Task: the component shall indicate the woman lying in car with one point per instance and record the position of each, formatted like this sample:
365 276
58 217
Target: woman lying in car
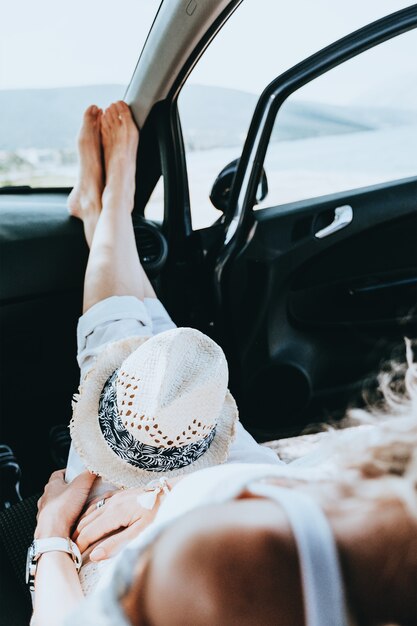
207 526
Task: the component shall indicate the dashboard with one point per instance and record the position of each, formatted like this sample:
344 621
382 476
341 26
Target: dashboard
43 249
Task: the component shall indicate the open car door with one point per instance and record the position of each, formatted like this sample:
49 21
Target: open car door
312 295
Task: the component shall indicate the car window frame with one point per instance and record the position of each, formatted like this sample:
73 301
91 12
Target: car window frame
239 218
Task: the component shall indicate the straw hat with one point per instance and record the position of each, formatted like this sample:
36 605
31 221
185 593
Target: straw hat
152 406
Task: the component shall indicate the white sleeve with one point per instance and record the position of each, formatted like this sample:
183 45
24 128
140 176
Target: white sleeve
245 449
161 320
110 320
118 317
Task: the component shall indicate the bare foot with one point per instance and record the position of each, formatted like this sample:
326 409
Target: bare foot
84 200
120 137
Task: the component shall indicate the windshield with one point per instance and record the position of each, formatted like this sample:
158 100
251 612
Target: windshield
55 60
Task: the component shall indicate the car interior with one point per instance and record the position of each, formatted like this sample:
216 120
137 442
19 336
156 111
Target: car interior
307 299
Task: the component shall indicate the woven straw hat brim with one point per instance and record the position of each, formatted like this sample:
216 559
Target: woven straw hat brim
91 445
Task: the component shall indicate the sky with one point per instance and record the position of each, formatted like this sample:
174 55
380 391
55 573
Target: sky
288 32
49 43
45 43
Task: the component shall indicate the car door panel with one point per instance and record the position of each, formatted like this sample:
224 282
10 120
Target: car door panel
314 318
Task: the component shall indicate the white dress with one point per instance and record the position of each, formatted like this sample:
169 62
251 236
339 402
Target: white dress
119 317
322 581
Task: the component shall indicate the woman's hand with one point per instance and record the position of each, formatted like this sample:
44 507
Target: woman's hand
61 504
121 515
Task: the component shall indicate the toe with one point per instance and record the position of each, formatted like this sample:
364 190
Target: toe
91 111
126 109
112 112
123 111
98 116
105 121
107 116
120 106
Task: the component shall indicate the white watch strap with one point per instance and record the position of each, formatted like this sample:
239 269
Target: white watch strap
58 544
50 544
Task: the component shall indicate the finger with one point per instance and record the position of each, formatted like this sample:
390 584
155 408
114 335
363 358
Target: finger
85 521
93 504
79 489
83 481
91 513
113 544
57 475
98 529
39 504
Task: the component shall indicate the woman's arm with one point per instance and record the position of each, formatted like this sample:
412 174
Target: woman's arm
57 587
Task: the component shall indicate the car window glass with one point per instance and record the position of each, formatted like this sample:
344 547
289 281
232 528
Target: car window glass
261 40
55 60
353 127
154 209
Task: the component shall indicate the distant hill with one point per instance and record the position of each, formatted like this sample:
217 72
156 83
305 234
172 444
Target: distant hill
215 116
48 118
299 120
401 94
211 116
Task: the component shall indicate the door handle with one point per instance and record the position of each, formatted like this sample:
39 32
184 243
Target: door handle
343 216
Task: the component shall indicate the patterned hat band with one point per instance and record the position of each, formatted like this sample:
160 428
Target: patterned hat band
138 454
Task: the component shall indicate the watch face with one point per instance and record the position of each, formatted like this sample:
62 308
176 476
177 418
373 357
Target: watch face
31 551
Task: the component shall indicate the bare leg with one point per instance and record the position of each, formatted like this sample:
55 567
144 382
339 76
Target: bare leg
114 267
84 200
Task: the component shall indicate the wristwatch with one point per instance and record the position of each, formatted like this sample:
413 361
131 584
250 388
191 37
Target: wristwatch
51 544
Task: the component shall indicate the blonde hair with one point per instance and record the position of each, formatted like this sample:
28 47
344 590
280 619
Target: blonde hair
397 387
385 448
